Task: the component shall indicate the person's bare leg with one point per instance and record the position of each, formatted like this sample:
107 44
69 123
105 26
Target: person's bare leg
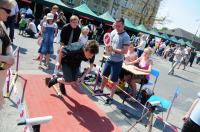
103 83
47 60
40 59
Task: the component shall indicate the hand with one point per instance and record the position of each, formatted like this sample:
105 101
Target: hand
80 80
6 66
186 117
136 68
109 49
58 66
126 62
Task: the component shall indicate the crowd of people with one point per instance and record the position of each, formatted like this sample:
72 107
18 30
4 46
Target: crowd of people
79 43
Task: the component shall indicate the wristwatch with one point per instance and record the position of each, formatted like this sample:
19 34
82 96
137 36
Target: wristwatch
2 64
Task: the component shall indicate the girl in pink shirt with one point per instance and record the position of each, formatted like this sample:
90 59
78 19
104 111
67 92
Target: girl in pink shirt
144 65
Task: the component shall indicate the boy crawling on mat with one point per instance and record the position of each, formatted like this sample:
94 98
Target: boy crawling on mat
70 58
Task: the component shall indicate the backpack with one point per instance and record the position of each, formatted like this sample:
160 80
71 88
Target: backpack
71 47
146 93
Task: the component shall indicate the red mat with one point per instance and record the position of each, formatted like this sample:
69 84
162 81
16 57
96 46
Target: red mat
75 112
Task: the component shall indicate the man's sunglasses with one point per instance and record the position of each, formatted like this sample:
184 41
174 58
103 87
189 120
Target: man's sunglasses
8 11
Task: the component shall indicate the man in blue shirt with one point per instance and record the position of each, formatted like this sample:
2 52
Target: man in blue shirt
120 41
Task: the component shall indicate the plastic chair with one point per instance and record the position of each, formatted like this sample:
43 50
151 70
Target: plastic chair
155 73
164 103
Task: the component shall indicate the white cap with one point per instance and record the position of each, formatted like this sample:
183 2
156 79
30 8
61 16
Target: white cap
50 16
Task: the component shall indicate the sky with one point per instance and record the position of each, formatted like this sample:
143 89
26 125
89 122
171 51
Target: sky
184 14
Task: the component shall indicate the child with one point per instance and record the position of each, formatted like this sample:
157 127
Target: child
84 35
125 76
145 65
22 24
49 31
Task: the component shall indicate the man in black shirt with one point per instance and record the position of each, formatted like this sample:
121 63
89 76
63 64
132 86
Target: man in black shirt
70 58
192 57
70 33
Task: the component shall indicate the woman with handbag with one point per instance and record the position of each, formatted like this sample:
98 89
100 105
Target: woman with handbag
6 57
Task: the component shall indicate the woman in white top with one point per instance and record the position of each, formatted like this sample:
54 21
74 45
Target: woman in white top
84 35
131 55
142 45
6 57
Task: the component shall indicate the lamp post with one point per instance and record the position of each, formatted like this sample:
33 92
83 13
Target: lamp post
196 31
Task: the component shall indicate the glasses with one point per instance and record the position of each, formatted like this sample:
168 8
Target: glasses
8 11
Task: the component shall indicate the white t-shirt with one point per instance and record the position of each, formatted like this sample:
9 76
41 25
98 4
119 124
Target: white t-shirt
195 115
179 53
54 25
83 39
32 26
130 56
143 43
29 11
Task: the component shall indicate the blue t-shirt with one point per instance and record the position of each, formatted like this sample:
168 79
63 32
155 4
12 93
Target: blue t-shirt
118 40
195 115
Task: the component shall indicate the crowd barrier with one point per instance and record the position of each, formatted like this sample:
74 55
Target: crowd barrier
30 124
165 122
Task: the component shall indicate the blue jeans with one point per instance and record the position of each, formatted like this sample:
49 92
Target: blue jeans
113 69
70 74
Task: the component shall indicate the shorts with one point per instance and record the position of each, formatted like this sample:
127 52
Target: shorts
70 74
113 69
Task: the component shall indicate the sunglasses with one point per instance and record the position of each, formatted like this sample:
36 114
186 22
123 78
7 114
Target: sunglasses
8 11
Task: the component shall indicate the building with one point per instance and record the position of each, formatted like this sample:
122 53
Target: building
185 35
137 11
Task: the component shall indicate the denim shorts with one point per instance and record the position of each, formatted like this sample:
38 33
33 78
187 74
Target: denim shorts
70 73
113 69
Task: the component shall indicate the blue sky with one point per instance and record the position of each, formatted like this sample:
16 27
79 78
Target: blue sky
183 14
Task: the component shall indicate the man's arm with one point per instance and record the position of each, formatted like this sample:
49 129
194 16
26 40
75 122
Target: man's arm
60 55
87 71
124 50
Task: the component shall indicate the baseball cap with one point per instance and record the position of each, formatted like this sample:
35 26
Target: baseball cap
50 16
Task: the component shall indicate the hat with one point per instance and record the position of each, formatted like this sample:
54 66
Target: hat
50 16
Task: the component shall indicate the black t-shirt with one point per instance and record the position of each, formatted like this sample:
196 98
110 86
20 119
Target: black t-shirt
66 32
74 58
193 54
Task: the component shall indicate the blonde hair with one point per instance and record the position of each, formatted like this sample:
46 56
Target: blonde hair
149 50
8 3
74 18
85 28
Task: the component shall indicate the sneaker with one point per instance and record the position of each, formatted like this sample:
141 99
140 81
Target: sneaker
62 89
52 82
98 91
109 101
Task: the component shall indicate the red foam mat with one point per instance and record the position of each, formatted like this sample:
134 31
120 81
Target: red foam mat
75 112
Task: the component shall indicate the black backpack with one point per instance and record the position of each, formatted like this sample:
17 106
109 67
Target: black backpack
146 93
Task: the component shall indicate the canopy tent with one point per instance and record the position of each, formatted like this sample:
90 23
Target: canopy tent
129 25
55 2
181 41
107 17
174 39
154 32
188 43
165 36
142 28
85 10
